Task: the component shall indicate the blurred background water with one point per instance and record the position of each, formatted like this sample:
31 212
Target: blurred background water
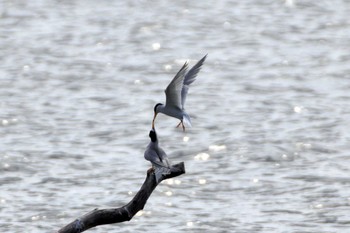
269 147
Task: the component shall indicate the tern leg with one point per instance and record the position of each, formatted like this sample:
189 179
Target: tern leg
182 124
179 124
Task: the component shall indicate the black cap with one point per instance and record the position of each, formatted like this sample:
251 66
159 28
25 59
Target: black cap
155 107
153 135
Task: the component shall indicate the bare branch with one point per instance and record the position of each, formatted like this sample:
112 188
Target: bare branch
124 213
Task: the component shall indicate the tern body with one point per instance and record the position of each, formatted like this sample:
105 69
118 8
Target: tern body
176 94
157 156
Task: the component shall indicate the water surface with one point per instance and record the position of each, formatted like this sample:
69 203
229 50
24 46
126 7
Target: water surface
269 147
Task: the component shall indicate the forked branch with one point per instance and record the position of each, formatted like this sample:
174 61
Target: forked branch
124 213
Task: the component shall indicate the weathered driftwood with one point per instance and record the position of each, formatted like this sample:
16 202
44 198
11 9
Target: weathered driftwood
124 213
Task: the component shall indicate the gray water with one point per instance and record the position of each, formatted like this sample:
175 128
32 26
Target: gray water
269 147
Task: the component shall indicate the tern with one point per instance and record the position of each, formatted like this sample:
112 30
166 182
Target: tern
176 93
157 156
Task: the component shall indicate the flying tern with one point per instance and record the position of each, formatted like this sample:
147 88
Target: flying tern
157 156
176 93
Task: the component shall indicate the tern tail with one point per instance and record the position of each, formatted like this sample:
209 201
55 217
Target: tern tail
187 120
160 171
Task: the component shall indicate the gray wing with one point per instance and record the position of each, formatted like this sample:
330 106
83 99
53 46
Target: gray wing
173 91
164 157
190 77
159 162
154 158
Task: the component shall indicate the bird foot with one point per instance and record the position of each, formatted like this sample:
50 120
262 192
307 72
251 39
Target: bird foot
181 124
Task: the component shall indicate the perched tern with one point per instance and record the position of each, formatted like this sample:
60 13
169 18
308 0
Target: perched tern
176 93
157 156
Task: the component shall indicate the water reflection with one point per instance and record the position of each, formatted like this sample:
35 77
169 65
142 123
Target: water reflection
202 156
186 139
202 181
172 181
156 46
168 193
217 148
189 224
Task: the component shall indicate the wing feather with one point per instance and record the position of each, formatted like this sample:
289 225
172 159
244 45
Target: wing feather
190 77
173 91
154 158
164 157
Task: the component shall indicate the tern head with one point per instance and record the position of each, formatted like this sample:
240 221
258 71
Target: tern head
153 135
156 109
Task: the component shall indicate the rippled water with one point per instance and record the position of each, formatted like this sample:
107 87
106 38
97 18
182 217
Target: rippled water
269 147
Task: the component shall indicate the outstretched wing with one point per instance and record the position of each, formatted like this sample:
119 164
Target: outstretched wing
173 91
190 77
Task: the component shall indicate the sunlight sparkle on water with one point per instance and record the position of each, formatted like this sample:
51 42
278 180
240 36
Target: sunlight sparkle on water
202 156
6 122
137 81
169 204
156 46
255 180
186 138
169 193
189 224
217 148
167 67
317 206
26 68
302 145
298 109
34 218
172 181
140 213
227 25
289 3
202 181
